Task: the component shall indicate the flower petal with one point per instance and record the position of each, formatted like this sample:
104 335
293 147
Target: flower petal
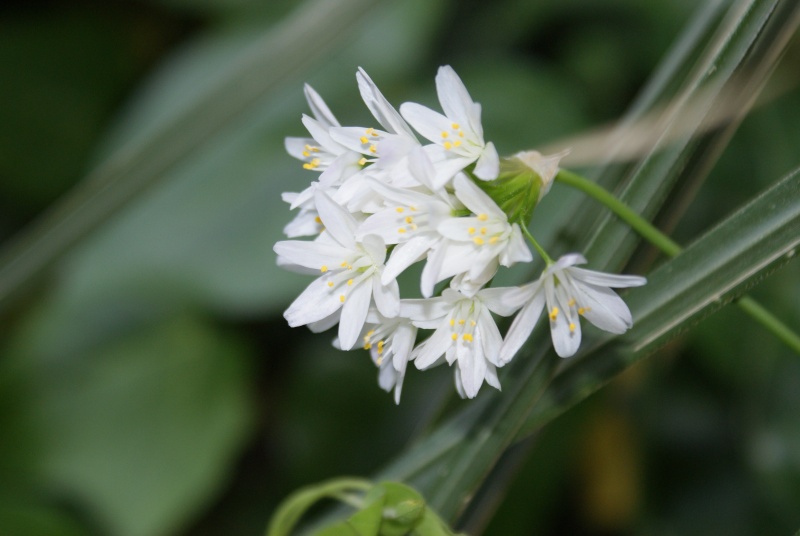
318 107
315 303
428 123
523 324
384 112
354 314
387 297
337 221
488 165
608 280
313 255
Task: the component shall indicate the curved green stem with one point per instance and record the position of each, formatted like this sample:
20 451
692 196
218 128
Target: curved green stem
536 244
671 248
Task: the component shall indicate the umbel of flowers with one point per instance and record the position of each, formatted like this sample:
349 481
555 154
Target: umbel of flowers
420 186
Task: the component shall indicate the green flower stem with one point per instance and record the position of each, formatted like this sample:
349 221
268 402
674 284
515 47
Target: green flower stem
536 244
671 248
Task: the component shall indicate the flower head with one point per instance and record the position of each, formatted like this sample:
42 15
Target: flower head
570 293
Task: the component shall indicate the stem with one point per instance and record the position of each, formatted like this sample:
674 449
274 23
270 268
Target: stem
536 244
671 248
623 211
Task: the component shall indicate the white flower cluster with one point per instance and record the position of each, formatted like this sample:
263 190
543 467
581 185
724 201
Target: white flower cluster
381 191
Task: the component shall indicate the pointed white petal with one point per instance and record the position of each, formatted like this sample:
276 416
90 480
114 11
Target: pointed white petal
476 199
490 338
428 123
321 137
522 326
311 254
608 280
354 314
326 323
605 309
433 348
406 254
424 309
504 301
387 297
295 146
337 221
384 112
312 305
488 165
516 249
318 107
453 96
375 248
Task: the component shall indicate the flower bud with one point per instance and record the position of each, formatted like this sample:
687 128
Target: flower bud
523 180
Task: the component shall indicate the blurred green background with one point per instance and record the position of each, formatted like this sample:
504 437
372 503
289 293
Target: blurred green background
148 383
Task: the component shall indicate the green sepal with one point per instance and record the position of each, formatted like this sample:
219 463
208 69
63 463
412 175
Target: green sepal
516 190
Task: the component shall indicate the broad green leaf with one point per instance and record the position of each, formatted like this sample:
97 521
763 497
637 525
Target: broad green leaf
138 431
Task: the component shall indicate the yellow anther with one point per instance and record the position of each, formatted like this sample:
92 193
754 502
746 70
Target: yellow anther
447 145
471 230
399 209
409 219
413 208
472 323
344 264
368 335
461 322
571 302
554 314
367 346
571 327
483 230
461 133
581 310
467 337
364 140
380 346
454 336
330 284
341 298
308 166
452 322
362 161
493 240
306 154
373 149
478 241
349 282
445 134
318 219
323 268
413 226
379 361
457 143
372 132
455 126
401 230
483 217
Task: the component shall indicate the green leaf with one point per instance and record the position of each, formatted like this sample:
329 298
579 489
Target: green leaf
138 431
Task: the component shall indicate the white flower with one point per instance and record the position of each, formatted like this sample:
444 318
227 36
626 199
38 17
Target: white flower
458 133
350 275
570 293
465 333
389 342
478 243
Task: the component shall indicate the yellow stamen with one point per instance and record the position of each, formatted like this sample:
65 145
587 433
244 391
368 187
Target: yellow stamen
483 230
330 284
493 240
571 302
554 314
372 132
344 264
454 336
323 268
341 298
306 154
364 140
445 134
478 241
483 217
349 282
471 230
413 208
455 126
401 230
447 145
379 361
409 219
318 219
456 143
452 322
472 323
467 337
373 149
362 161
367 346
571 327
461 322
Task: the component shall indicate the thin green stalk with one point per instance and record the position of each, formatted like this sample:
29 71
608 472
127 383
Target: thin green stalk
536 244
671 248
